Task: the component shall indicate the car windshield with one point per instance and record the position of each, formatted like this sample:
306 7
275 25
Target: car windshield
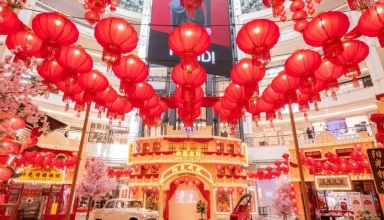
132 204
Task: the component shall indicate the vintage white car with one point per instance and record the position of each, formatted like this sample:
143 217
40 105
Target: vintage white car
124 209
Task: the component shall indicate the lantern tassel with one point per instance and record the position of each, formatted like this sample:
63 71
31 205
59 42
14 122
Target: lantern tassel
334 95
66 107
280 115
119 125
271 124
305 116
78 114
355 82
46 96
257 124
333 47
261 53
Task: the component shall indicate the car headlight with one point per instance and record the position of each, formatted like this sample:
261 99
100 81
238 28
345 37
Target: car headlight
144 215
157 214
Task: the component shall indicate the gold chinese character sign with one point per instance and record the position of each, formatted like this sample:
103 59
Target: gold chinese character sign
30 174
376 161
338 182
186 169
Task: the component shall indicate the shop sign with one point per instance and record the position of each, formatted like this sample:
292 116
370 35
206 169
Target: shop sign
31 174
376 161
186 169
188 155
339 182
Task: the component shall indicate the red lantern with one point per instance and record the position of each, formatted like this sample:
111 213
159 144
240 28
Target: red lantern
74 60
230 190
5 173
51 71
8 147
246 74
272 97
55 30
190 6
92 83
15 123
69 90
9 23
186 180
299 15
251 108
197 182
134 190
355 51
189 41
155 190
188 79
117 37
140 93
313 92
237 94
329 73
92 17
276 5
240 190
146 167
156 166
218 167
370 23
130 70
220 189
300 26
109 95
176 182
30 45
257 37
144 189
286 85
302 64
263 106
285 156
230 167
326 30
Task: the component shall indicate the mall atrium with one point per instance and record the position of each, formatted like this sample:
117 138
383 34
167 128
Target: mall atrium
191 109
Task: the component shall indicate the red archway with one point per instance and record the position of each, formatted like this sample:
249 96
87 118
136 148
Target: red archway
172 189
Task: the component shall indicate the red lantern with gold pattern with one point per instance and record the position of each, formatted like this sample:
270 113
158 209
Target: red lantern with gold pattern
51 72
117 37
55 30
130 70
189 41
246 74
326 30
92 83
30 45
355 51
302 64
74 60
257 37
286 85
329 73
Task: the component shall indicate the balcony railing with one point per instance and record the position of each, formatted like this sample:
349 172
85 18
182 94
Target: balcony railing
248 6
131 5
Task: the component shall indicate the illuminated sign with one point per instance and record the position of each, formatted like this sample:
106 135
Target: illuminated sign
30 174
339 182
376 156
186 169
188 155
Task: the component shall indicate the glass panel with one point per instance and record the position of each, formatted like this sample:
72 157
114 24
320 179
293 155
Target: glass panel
110 205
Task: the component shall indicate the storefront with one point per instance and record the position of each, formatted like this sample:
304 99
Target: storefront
338 177
172 173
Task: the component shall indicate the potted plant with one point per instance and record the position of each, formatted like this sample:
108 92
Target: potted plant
201 208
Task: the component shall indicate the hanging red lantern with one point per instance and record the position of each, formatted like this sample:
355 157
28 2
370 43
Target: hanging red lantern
370 23
9 23
286 85
14 123
190 6
272 97
300 25
51 72
276 6
299 15
92 17
240 190
313 92
115 107
302 64
296 5
55 30
329 73
69 91
144 189
92 83
188 79
134 190
148 105
220 189
130 70
237 94
155 190
176 182
246 74
74 60
109 95
117 37
197 182
30 45
5 173
141 92
189 41
8 147
355 51
257 37
263 106
326 30
359 5
251 108
302 101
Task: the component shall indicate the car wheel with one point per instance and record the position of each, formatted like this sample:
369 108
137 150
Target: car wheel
133 219
98 219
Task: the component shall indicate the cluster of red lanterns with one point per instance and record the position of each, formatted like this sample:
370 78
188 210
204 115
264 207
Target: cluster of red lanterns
136 168
96 8
50 159
229 148
355 162
144 189
148 147
230 168
189 41
271 172
230 190
186 180
292 195
277 8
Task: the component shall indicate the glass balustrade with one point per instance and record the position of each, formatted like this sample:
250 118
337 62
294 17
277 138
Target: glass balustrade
131 5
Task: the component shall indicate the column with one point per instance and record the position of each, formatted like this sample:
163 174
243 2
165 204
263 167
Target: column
209 92
247 128
134 126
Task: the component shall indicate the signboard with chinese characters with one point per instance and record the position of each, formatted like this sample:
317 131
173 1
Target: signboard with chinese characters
376 160
339 182
34 174
186 169
188 155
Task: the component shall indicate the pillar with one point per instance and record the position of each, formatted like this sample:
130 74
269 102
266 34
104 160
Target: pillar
247 128
134 126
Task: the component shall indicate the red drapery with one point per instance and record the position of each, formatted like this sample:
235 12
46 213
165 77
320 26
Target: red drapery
199 140
172 190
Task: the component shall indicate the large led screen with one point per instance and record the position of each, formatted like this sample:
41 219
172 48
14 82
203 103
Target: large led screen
212 14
